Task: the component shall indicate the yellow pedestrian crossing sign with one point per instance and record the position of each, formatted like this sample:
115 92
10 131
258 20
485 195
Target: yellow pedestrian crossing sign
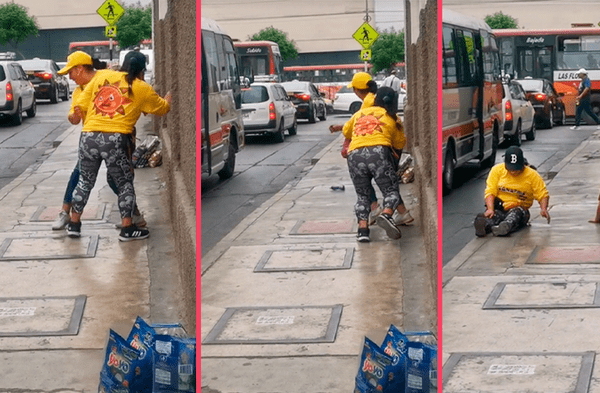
110 31
365 35
110 11
365 54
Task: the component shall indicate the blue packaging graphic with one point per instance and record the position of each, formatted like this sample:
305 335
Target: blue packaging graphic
122 369
395 345
372 375
141 338
417 369
174 364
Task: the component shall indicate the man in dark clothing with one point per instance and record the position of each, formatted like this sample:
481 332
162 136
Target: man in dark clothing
583 100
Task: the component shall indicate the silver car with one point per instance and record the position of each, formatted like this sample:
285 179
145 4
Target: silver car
267 109
518 113
17 93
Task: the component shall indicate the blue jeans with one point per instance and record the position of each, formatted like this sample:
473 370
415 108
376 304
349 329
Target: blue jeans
587 107
68 198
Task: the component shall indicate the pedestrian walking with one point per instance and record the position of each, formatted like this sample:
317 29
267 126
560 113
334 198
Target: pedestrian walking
114 101
376 137
510 190
393 81
583 100
82 68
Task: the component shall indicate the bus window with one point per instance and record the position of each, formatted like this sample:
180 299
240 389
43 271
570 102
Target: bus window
233 74
449 73
212 62
466 58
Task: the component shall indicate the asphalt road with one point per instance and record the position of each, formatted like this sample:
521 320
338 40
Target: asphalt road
262 169
26 145
462 205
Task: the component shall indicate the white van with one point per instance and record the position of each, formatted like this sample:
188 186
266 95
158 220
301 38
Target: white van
149 53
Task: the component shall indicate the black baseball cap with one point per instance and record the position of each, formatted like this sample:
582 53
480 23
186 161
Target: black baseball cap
513 159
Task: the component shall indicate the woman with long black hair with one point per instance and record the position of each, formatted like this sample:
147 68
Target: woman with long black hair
114 101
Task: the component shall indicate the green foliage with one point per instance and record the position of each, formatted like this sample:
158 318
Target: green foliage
501 21
15 24
287 47
134 26
387 50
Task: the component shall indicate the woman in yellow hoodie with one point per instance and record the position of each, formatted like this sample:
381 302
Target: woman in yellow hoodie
113 100
376 138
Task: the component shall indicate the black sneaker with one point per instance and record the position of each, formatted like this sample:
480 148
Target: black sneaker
132 232
480 223
386 222
74 229
363 235
501 229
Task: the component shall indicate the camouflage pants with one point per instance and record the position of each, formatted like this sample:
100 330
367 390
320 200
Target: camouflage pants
516 218
114 150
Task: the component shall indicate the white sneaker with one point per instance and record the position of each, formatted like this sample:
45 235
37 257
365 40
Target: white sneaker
62 221
373 215
574 128
598 127
403 219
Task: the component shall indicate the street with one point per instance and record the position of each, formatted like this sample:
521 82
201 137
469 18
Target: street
22 146
462 205
262 169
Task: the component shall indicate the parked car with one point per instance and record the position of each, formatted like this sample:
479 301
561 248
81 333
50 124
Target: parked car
548 105
16 92
46 80
307 99
518 114
267 109
347 101
72 84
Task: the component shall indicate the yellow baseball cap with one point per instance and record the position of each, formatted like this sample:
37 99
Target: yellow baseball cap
75 59
359 80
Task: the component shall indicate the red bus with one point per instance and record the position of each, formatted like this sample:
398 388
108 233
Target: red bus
556 55
260 61
101 49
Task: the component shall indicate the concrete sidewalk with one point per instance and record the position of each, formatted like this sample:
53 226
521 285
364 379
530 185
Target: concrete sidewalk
288 296
520 313
60 296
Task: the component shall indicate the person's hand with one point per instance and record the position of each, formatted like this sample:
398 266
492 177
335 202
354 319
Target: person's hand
489 213
75 117
544 213
168 97
335 128
594 221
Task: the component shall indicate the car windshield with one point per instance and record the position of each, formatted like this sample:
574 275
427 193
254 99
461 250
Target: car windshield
35 65
532 85
254 95
346 89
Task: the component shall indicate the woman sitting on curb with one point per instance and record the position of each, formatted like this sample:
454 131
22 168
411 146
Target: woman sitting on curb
510 191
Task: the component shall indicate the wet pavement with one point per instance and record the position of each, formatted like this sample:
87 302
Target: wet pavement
60 296
289 295
520 313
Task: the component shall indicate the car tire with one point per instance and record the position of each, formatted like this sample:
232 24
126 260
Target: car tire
355 107
229 167
54 95
448 173
17 118
66 95
531 134
279 136
516 139
563 118
32 111
491 160
294 128
311 115
324 117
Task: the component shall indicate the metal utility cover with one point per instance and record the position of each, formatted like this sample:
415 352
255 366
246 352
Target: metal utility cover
46 248
305 259
565 255
91 212
329 227
276 325
545 295
518 372
41 316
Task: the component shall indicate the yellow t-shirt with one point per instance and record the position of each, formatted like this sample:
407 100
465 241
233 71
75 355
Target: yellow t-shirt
515 190
111 108
372 126
368 101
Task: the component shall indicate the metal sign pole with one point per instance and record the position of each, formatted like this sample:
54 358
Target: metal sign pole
110 47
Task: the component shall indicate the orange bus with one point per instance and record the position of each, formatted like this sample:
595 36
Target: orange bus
556 55
260 61
471 95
